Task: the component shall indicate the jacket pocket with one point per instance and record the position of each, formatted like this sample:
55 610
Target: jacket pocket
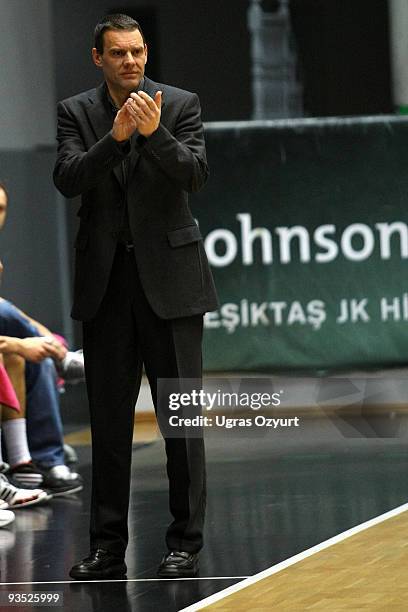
81 241
184 235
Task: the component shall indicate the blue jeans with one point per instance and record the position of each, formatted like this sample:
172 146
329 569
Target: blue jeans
44 426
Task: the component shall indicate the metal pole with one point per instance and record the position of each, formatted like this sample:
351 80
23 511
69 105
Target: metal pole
399 53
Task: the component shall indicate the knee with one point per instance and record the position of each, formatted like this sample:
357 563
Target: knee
47 369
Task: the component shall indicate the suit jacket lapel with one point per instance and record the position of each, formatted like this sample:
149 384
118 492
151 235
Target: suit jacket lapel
151 88
101 122
134 157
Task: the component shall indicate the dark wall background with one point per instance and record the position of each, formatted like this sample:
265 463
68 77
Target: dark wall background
30 241
201 46
343 46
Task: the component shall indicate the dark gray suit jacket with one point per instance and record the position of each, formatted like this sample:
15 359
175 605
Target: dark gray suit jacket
163 168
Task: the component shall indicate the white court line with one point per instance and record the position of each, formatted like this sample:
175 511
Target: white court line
2 584
199 605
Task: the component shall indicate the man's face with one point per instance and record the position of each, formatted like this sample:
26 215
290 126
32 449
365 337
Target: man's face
123 59
3 207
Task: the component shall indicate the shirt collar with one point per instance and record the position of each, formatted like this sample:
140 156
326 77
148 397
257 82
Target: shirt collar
112 106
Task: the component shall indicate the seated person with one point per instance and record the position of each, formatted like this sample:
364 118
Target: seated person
13 496
22 336
37 386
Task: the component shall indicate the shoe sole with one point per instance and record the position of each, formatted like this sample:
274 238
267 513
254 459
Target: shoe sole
176 573
32 502
67 492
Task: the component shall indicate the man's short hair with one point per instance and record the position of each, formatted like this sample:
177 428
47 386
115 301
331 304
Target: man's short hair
4 188
117 21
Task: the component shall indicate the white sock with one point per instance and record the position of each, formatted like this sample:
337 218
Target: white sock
15 437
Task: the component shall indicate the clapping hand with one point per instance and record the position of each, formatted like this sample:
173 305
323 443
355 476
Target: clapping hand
139 112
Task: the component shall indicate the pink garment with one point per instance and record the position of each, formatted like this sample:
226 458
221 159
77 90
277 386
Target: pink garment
61 339
7 394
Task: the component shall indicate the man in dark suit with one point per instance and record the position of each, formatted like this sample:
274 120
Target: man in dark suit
134 149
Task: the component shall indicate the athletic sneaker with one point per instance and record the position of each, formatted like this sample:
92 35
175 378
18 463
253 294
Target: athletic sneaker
26 475
71 368
59 480
4 467
6 517
19 498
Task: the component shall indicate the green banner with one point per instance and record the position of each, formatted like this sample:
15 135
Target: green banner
306 229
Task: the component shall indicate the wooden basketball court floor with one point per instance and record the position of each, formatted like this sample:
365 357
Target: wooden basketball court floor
365 568
312 518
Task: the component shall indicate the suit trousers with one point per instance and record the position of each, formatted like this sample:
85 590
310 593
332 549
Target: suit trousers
124 335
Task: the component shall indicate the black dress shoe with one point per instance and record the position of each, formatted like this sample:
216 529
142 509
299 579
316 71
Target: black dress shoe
100 564
178 564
